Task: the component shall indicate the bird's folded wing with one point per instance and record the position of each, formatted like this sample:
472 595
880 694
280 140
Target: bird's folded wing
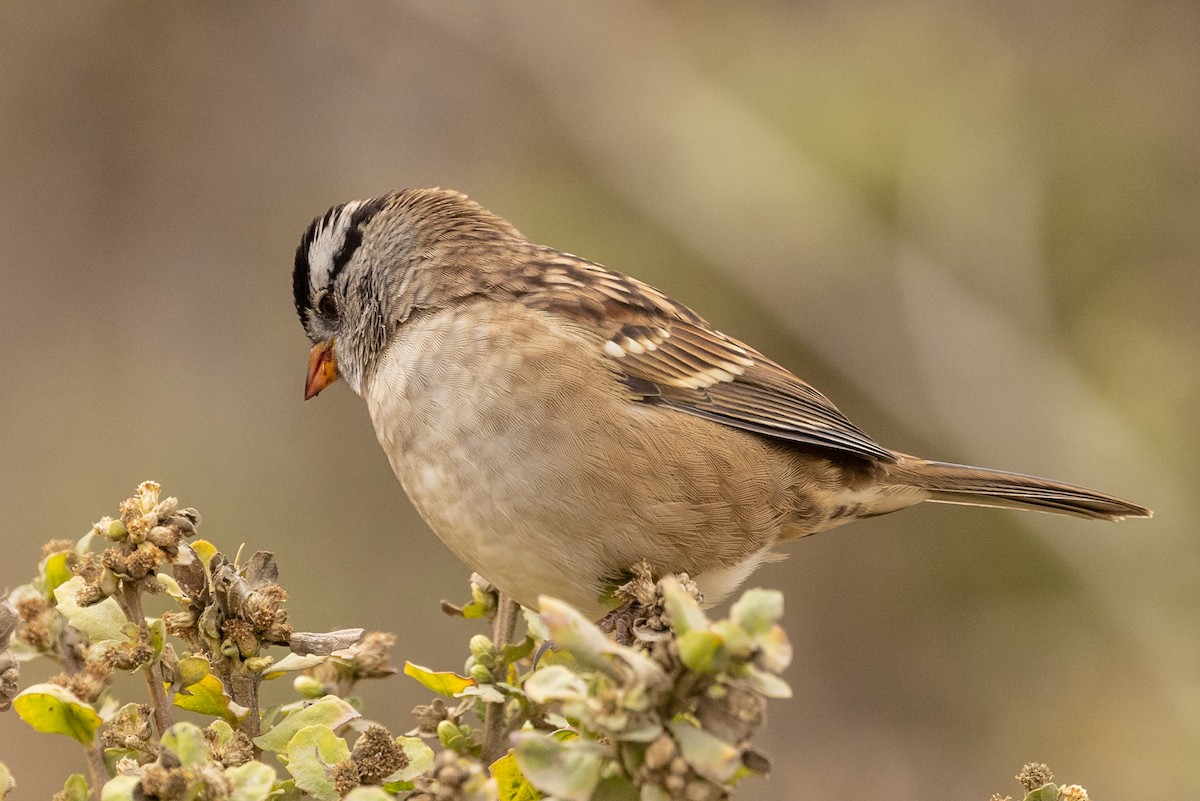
698 370
671 356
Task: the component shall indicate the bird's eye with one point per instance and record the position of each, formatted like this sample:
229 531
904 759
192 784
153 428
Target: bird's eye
327 306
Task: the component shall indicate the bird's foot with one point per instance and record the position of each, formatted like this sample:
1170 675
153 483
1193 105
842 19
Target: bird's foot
641 617
620 621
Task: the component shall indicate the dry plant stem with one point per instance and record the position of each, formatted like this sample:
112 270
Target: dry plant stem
243 689
152 671
503 627
97 772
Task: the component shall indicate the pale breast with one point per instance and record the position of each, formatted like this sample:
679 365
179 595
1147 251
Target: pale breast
521 449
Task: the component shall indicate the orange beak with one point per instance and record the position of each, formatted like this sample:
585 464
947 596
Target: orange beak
322 369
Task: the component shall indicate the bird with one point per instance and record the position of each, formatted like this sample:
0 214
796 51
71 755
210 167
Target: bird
556 422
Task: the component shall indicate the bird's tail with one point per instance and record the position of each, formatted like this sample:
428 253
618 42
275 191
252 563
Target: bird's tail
979 486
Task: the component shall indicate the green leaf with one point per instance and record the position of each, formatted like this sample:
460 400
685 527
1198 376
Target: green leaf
114 755
75 788
574 632
757 610
709 756
774 650
682 608
766 684
1047 792
570 630
208 697
251 782
293 662
554 683
170 586
488 693
703 651
443 682
420 759
6 780
192 669
566 770
329 712
286 790
120 788
535 625
311 753
222 730
615 788
652 792
515 653
513 786
100 621
186 741
54 710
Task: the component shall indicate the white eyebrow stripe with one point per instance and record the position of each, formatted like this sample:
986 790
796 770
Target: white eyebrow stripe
325 246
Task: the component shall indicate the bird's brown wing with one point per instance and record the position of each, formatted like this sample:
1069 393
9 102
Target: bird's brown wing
670 356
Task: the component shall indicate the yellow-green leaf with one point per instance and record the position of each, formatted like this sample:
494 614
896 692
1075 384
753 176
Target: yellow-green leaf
703 651
205 550
512 784
208 697
54 710
54 571
444 682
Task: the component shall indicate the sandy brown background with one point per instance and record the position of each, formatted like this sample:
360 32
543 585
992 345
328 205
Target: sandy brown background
975 225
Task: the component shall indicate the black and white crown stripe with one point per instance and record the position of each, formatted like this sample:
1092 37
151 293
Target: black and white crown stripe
327 247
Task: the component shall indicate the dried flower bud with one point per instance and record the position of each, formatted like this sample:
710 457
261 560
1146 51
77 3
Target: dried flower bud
131 728
1034 775
237 750
429 716
344 776
57 546
377 755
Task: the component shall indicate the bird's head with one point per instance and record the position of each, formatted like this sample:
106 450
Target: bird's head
365 267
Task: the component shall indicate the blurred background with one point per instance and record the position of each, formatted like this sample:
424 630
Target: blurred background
974 225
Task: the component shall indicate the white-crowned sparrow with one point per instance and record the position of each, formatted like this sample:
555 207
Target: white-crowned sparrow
555 422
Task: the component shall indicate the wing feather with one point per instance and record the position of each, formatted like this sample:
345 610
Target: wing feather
669 355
